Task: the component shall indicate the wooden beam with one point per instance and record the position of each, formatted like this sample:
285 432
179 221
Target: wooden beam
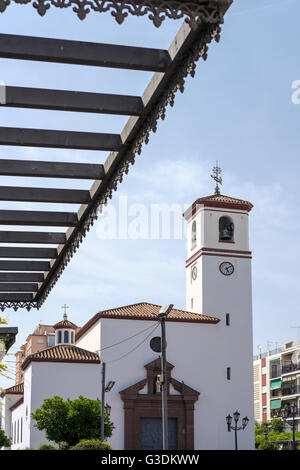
59 139
51 219
61 100
18 287
20 252
83 53
24 266
16 297
65 196
21 277
51 169
49 238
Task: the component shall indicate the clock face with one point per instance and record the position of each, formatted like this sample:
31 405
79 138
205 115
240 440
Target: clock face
226 268
194 273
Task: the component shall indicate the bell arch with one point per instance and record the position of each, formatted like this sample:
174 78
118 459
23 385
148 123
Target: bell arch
226 229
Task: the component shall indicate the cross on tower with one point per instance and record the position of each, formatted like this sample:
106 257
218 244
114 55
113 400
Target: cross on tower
216 177
65 312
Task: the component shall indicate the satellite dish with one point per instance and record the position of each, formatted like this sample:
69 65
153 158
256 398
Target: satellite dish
155 344
295 357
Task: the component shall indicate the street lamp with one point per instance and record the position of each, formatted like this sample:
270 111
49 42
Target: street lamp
287 412
107 409
105 388
236 428
162 315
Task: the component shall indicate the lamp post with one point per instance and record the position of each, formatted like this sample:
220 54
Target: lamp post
162 315
287 412
105 388
236 428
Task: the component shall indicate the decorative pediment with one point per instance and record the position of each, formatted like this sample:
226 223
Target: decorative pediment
153 369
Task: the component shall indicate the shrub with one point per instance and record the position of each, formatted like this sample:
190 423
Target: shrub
4 440
47 446
267 445
92 444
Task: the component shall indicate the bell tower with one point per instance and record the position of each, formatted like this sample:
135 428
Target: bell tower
218 283
218 265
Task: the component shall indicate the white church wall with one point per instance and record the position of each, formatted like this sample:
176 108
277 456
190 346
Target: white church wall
91 339
17 425
67 380
7 402
201 354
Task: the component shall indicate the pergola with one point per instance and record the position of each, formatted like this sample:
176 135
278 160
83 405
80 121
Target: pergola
27 274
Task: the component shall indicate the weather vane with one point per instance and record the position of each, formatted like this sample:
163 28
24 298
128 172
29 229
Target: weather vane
65 312
216 177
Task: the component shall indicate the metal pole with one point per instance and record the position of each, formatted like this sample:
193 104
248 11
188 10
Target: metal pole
102 402
294 429
235 436
164 385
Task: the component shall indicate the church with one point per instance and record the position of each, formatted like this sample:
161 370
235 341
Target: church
209 350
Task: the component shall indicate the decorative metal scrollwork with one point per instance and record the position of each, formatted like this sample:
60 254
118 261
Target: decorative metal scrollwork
195 12
16 305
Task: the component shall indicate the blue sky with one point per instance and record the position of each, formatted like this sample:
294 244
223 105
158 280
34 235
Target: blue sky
237 109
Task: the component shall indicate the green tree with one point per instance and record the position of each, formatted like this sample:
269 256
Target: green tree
4 440
70 421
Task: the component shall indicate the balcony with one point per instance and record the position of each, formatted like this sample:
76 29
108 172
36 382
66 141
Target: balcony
275 372
290 367
291 390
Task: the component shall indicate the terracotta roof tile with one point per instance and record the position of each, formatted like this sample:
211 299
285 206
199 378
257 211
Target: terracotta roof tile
65 324
219 200
146 311
62 353
14 390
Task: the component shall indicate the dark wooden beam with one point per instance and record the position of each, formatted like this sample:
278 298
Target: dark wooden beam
65 196
51 169
49 238
59 139
21 277
51 219
20 252
83 53
61 100
24 266
16 297
18 287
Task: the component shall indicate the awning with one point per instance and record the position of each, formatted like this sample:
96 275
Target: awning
275 384
275 404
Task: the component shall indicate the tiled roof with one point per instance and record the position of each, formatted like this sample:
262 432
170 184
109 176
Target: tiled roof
146 311
219 200
14 390
62 353
65 324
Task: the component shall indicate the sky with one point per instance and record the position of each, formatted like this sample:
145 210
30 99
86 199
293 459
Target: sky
238 110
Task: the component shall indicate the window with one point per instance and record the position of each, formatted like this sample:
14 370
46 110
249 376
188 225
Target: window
226 229
66 336
228 373
72 337
194 234
192 303
227 319
51 340
59 337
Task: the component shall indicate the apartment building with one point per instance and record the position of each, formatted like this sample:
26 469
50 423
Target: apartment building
42 337
277 382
